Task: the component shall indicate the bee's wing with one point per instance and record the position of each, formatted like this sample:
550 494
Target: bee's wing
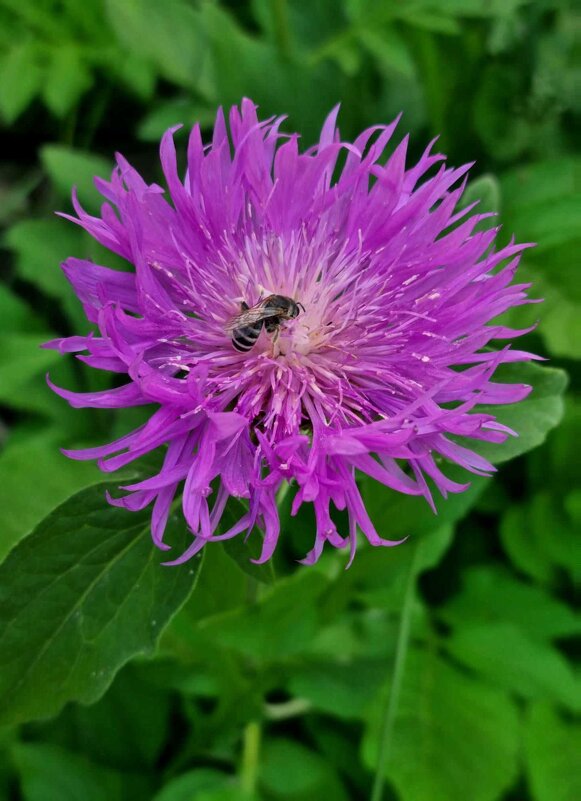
250 317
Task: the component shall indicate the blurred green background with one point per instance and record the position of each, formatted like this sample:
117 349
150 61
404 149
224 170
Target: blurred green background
265 690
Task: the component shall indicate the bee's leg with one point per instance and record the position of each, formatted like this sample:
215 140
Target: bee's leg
274 339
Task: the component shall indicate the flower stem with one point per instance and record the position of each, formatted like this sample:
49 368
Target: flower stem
392 701
279 12
250 758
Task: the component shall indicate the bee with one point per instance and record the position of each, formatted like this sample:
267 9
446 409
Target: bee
269 312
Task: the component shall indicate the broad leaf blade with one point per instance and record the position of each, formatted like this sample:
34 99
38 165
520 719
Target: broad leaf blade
552 748
454 738
532 418
79 597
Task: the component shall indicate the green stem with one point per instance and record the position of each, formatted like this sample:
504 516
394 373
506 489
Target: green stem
391 704
279 11
250 758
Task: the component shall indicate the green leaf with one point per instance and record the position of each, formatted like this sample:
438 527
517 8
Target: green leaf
491 595
68 167
67 79
14 312
243 549
50 773
511 659
79 597
532 418
396 515
20 78
484 190
389 48
35 461
168 35
343 690
139 75
543 205
454 738
173 112
289 770
552 749
129 726
21 359
539 538
194 783
40 246
281 623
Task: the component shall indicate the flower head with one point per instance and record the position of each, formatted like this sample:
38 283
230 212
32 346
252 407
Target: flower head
378 368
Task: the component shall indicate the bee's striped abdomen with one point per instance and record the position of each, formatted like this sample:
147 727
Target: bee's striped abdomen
244 338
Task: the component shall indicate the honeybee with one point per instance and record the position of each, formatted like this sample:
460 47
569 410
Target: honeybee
269 312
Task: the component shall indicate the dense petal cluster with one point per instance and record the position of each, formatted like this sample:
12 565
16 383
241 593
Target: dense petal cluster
379 373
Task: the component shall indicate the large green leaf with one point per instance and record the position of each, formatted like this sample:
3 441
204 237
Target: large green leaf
491 595
511 659
289 770
552 755
540 539
50 773
67 79
34 478
454 738
533 417
281 623
40 246
543 205
169 35
79 597
20 78
203 784
22 359
70 168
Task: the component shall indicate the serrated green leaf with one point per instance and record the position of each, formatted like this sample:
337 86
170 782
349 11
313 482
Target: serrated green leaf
539 538
169 36
552 749
70 168
454 738
21 78
509 658
67 79
540 184
491 594
79 597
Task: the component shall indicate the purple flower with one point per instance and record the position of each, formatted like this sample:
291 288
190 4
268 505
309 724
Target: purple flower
379 370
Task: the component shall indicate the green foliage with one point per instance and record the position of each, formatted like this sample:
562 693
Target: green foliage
452 733
552 754
80 596
116 681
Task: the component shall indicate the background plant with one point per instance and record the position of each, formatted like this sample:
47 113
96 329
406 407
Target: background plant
260 688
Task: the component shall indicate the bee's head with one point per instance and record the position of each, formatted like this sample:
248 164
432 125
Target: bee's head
295 309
